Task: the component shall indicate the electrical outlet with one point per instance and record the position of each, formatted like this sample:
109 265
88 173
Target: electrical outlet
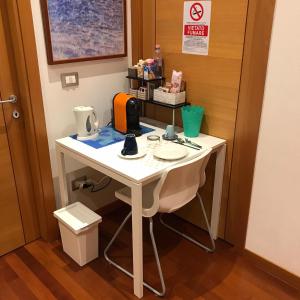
77 182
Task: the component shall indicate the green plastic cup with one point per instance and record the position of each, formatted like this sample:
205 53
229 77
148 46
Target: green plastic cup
192 117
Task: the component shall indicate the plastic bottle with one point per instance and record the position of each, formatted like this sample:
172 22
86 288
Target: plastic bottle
159 60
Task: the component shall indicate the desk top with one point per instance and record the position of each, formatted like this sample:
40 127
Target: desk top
138 170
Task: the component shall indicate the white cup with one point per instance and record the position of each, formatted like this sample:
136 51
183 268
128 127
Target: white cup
170 132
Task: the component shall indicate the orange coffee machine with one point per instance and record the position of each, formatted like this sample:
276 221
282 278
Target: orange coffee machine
126 114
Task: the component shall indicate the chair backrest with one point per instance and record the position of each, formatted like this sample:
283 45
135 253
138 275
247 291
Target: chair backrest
179 184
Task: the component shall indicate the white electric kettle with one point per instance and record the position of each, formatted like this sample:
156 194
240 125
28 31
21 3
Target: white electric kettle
86 122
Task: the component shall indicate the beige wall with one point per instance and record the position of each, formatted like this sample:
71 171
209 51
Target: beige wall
99 81
274 223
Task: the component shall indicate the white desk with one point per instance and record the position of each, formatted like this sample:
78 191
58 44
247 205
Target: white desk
135 174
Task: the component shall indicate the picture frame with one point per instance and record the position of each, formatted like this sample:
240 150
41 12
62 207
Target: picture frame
79 30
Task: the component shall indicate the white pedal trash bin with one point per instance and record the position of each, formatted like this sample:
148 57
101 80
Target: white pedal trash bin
79 232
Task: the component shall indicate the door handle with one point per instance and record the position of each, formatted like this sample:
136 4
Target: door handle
11 99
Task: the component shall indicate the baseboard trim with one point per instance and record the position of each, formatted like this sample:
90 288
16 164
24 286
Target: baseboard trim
275 271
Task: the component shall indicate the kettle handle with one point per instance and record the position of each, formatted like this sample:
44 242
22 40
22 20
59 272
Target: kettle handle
95 121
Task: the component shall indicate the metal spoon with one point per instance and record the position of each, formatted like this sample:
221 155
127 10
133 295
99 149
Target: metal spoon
180 140
191 143
183 143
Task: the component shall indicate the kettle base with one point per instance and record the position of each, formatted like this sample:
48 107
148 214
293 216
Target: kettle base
87 138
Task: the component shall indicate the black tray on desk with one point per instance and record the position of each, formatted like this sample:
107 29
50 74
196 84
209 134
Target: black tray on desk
146 80
165 104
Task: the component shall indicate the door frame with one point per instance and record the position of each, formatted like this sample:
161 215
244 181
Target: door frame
254 67
31 102
251 95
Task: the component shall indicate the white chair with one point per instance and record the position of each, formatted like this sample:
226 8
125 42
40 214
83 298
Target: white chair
178 186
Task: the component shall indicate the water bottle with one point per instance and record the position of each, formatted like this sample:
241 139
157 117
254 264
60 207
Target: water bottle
158 60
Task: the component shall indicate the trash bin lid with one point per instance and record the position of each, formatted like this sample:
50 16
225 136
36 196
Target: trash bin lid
77 217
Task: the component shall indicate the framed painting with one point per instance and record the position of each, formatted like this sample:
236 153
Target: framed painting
81 30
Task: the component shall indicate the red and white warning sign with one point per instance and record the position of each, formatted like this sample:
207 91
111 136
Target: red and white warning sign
196 26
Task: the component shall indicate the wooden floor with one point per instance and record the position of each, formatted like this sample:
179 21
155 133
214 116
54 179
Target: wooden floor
42 271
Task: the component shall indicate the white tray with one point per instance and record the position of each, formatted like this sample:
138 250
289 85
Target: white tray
169 98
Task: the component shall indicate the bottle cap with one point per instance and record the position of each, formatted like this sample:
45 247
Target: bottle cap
157 46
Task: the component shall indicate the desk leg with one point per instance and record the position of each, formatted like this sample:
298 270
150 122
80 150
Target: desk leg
62 178
137 239
217 196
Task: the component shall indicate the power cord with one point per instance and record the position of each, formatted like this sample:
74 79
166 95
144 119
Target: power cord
101 184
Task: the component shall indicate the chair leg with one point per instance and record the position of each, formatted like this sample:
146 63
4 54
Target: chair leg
208 249
163 286
158 293
111 242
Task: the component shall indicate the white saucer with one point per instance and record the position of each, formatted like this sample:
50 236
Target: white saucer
140 154
170 152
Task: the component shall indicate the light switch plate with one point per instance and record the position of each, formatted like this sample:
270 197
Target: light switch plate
69 79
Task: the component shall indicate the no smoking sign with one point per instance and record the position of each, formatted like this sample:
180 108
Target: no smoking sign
196 27
196 11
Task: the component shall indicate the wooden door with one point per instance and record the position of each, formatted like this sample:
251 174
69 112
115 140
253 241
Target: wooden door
229 83
18 216
11 229
213 81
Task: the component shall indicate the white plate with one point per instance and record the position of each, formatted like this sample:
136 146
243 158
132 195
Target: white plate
140 154
170 152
